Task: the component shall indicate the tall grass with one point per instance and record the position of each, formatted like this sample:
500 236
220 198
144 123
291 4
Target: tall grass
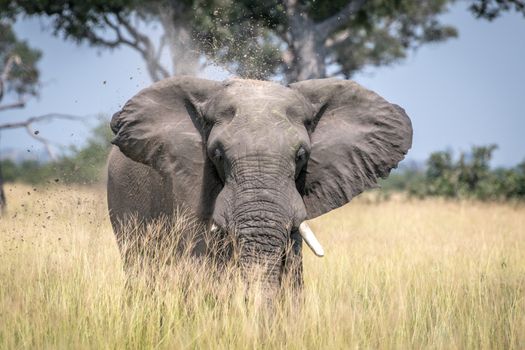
397 274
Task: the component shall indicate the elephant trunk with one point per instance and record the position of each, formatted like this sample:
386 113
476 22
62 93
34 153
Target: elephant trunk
262 224
263 269
260 206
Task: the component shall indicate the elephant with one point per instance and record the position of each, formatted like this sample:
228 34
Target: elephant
252 158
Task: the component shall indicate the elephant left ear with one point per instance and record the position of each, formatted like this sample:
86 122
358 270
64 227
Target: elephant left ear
356 138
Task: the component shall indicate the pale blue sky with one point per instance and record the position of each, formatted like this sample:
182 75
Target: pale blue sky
467 91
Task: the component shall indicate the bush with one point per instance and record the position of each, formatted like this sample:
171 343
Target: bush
468 177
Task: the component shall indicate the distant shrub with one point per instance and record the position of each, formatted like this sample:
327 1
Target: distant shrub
81 166
470 176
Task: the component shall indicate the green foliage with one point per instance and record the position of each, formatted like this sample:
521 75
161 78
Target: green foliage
87 163
491 9
253 38
403 179
83 166
381 33
73 18
23 76
240 35
384 31
28 171
470 176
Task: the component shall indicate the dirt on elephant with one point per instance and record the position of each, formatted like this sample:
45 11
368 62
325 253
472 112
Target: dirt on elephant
397 273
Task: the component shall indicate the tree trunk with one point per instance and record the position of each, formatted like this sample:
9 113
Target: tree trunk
183 54
3 202
2 195
185 58
307 46
307 39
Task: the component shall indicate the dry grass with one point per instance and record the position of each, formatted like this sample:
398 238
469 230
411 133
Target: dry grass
397 274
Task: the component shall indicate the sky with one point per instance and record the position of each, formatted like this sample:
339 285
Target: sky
463 92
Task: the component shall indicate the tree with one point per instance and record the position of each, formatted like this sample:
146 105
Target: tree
19 77
441 174
470 176
316 38
19 81
298 39
475 167
329 38
19 73
115 23
292 39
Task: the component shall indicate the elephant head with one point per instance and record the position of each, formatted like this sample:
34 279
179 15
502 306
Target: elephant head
257 158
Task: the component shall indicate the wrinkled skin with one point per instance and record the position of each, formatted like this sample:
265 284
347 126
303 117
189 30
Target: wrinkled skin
255 158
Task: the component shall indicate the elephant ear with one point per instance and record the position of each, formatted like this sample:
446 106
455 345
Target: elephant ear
162 127
356 138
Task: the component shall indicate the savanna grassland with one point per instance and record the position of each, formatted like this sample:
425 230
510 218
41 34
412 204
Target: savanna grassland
397 274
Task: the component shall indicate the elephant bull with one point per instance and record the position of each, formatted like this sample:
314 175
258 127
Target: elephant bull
252 158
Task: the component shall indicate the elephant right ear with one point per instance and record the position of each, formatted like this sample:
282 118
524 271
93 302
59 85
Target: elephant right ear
161 126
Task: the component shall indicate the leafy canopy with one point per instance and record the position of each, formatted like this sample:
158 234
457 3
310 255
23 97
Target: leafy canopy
22 75
253 38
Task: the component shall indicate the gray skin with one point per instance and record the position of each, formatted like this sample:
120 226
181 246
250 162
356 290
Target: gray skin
255 158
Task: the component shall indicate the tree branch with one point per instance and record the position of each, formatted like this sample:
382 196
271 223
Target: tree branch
155 69
120 38
133 31
125 34
28 126
332 23
11 61
18 104
162 44
337 39
44 117
42 140
98 40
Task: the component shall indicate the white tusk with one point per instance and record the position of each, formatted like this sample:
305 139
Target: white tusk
214 228
310 239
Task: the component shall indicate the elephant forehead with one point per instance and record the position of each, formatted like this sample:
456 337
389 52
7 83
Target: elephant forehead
251 83
251 91
261 113
265 131
263 105
257 101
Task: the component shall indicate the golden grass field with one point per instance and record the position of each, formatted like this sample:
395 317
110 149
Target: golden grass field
397 274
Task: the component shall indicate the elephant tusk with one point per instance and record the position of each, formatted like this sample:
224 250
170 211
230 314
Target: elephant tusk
310 239
214 228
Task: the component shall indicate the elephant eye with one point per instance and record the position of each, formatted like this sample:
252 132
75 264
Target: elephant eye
300 155
217 157
300 160
217 154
